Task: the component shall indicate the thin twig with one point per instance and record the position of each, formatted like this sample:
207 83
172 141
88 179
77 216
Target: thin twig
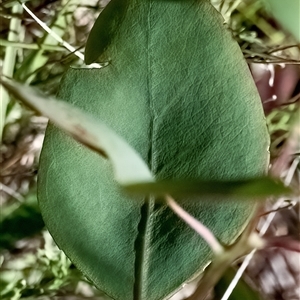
278 209
290 147
255 61
291 100
281 48
57 37
264 55
11 192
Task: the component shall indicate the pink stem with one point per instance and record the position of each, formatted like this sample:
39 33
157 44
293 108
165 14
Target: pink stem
205 233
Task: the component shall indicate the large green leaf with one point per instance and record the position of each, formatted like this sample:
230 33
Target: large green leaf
178 90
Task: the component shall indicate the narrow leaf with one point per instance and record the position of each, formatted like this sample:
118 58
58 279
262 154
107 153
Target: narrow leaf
128 165
259 187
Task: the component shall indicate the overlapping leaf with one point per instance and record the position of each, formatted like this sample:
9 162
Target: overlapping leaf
128 166
255 188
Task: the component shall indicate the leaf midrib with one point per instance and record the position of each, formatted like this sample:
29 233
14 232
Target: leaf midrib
145 224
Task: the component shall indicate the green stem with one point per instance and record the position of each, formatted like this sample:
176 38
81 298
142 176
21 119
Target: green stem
6 43
9 62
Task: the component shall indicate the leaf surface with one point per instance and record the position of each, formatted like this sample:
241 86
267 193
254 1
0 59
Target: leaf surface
177 89
104 29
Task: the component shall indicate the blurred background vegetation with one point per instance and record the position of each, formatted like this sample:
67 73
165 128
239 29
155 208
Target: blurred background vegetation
32 267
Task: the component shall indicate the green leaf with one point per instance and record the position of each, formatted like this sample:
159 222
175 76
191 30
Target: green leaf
178 90
255 188
128 165
287 13
104 29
